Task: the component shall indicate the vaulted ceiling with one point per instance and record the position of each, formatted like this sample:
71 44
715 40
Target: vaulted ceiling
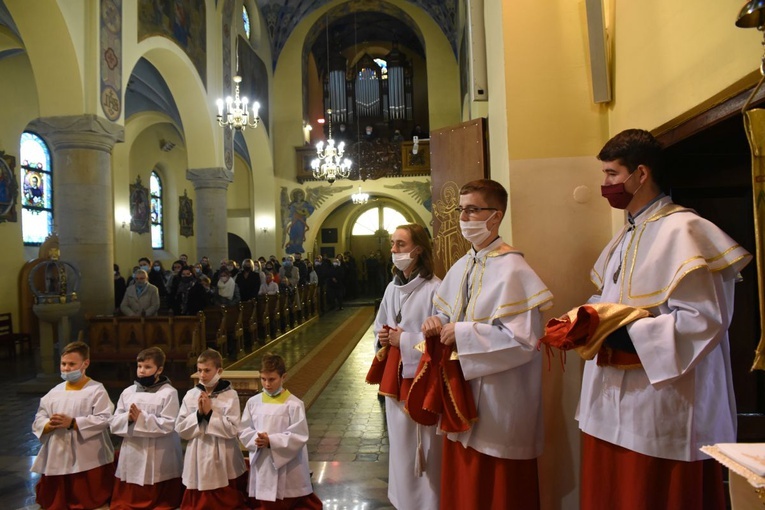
282 16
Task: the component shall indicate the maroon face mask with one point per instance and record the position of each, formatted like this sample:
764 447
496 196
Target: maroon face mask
617 196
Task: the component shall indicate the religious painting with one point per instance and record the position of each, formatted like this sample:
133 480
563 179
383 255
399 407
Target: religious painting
182 21
415 159
140 208
186 215
8 188
296 209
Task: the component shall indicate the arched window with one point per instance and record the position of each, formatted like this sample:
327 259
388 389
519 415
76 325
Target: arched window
376 219
157 217
36 189
246 21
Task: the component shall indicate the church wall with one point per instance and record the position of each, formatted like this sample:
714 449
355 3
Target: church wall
19 107
671 56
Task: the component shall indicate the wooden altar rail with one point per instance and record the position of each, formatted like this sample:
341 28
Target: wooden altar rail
119 339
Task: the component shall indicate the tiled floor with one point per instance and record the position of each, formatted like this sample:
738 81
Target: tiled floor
348 447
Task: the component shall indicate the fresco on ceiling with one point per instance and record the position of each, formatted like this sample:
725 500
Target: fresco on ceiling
181 21
282 16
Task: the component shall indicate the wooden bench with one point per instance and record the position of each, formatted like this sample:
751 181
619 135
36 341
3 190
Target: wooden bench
9 339
263 320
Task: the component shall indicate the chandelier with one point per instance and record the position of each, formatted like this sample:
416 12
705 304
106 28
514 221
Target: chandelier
236 114
360 197
329 164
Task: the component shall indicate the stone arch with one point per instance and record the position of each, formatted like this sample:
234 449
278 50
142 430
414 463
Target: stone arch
200 131
443 82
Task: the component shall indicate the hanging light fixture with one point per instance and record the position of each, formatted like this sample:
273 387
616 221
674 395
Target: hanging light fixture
752 15
329 163
235 115
360 197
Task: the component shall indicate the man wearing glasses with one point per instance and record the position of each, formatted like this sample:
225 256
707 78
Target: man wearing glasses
489 306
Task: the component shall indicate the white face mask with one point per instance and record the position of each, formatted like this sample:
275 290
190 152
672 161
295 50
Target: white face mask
476 232
212 382
402 260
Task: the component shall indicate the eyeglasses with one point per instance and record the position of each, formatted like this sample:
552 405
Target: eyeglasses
472 211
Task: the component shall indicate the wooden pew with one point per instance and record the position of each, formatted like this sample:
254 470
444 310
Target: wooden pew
232 328
250 323
263 320
215 329
116 341
274 316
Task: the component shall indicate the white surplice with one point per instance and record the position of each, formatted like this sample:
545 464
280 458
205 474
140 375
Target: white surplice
151 448
280 470
212 455
414 300
497 327
682 268
85 447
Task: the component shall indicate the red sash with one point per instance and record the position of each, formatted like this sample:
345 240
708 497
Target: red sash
386 371
439 389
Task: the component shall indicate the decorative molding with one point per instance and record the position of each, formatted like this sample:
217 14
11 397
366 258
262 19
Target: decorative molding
78 132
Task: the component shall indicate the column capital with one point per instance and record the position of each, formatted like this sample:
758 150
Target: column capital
79 132
206 178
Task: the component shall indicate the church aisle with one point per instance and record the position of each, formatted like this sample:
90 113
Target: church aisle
348 447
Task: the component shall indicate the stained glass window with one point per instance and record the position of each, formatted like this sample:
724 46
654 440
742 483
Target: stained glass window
36 189
371 221
157 220
246 20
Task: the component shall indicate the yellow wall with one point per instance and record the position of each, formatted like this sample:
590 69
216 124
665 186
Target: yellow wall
672 56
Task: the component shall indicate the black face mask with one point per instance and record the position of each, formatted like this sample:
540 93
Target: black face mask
187 279
147 381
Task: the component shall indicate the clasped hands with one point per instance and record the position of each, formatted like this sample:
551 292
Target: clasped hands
389 336
204 403
61 421
262 440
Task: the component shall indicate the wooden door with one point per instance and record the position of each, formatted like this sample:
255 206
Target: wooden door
710 171
458 155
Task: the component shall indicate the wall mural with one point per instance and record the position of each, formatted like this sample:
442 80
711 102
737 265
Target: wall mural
140 217
183 22
297 207
111 58
9 188
186 215
420 191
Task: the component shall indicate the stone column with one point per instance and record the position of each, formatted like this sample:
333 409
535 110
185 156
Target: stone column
83 204
210 215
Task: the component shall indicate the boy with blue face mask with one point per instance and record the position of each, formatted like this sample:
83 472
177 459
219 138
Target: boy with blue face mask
275 431
76 459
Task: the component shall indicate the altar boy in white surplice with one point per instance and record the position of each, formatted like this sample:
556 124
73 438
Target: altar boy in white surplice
275 431
489 305
660 387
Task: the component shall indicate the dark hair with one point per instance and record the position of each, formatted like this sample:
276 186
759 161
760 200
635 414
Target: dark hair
421 239
154 354
144 258
211 355
80 348
272 362
116 268
635 147
188 268
492 192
